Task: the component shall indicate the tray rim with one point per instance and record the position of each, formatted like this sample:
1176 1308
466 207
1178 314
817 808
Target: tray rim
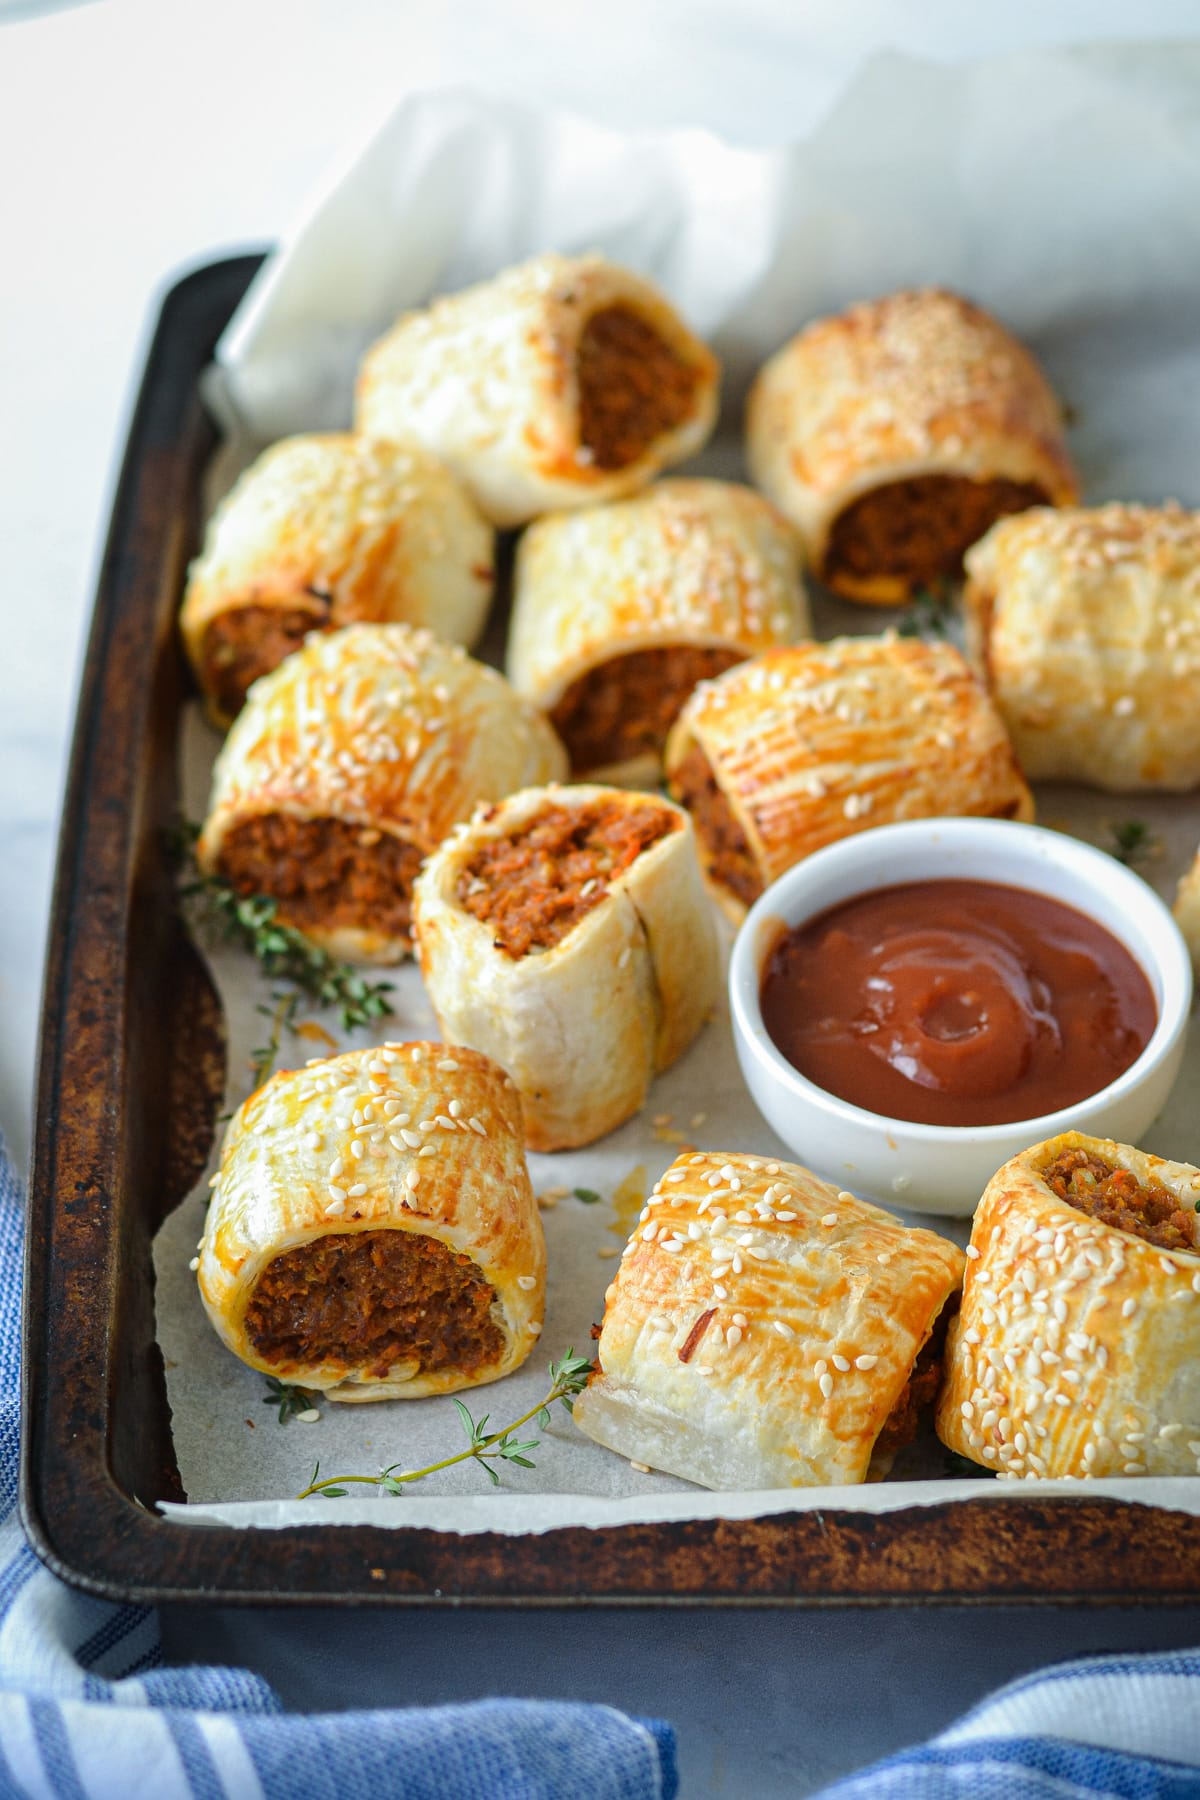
98 1537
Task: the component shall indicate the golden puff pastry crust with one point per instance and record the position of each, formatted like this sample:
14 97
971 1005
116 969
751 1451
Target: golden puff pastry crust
1187 907
620 609
566 932
807 744
372 1231
893 434
1086 623
562 381
1077 1349
349 764
324 531
763 1327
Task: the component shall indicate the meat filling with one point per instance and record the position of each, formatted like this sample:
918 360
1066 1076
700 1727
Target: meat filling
534 885
632 387
1116 1197
625 707
371 1299
324 872
919 1391
248 641
727 854
918 529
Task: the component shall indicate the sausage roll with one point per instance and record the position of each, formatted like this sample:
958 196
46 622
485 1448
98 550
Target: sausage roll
567 933
1086 624
807 744
1077 1350
766 1330
320 532
349 764
1187 908
564 380
372 1231
894 434
620 610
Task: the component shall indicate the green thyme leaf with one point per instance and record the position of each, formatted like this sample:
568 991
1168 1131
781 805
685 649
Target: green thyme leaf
928 616
289 1399
1133 842
589 1196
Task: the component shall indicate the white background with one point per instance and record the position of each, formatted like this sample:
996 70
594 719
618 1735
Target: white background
140 136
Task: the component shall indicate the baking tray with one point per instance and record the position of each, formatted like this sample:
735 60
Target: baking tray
131 1069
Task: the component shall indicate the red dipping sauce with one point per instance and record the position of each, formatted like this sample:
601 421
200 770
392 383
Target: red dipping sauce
956 1003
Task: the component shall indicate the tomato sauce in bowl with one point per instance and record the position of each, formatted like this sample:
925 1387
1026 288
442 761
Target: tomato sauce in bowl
955 1002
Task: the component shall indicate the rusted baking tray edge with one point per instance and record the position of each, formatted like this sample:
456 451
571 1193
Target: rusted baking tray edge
131 1051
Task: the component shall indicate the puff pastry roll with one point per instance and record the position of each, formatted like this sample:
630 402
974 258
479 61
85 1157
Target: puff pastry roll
766 1330
372 1231
807 744
1086 624
564 380
1077 1350
620 610
567 933
894 434
323 531
349 764
1187 908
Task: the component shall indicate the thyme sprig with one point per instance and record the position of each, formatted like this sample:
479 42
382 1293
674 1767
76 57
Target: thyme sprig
283 953
290 1399
282 1015
1133 842
928 616
568 1377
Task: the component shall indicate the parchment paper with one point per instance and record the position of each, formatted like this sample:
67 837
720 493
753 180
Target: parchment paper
1060 190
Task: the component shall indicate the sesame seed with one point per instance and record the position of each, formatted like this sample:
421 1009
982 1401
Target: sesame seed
448 1065
972 1253
642 1468
427 1150
337 1167
411 1139
1129 1308
785 1218
527 1282
455 1109
397 1143
535 1326
829 1219
334 1208
1134 1468
733 1336
310 1416
820 1366
477 1126
337 1192
358 1190
840 1362
194 1264
720 1292
866 1362
826 1385
357 1150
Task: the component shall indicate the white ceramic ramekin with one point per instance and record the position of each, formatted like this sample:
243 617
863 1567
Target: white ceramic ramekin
945 1168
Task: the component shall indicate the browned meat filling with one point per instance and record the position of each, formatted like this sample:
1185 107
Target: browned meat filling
632 387
919 1391
249 641
1117 1197
370 1299
626 706
324 872
918 529
534 885
727 854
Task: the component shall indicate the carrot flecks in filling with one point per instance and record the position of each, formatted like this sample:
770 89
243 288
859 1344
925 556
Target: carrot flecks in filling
632 387
324 872
726 852
532 886
371 1299
249 641
626 706
1116 1197
919 528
